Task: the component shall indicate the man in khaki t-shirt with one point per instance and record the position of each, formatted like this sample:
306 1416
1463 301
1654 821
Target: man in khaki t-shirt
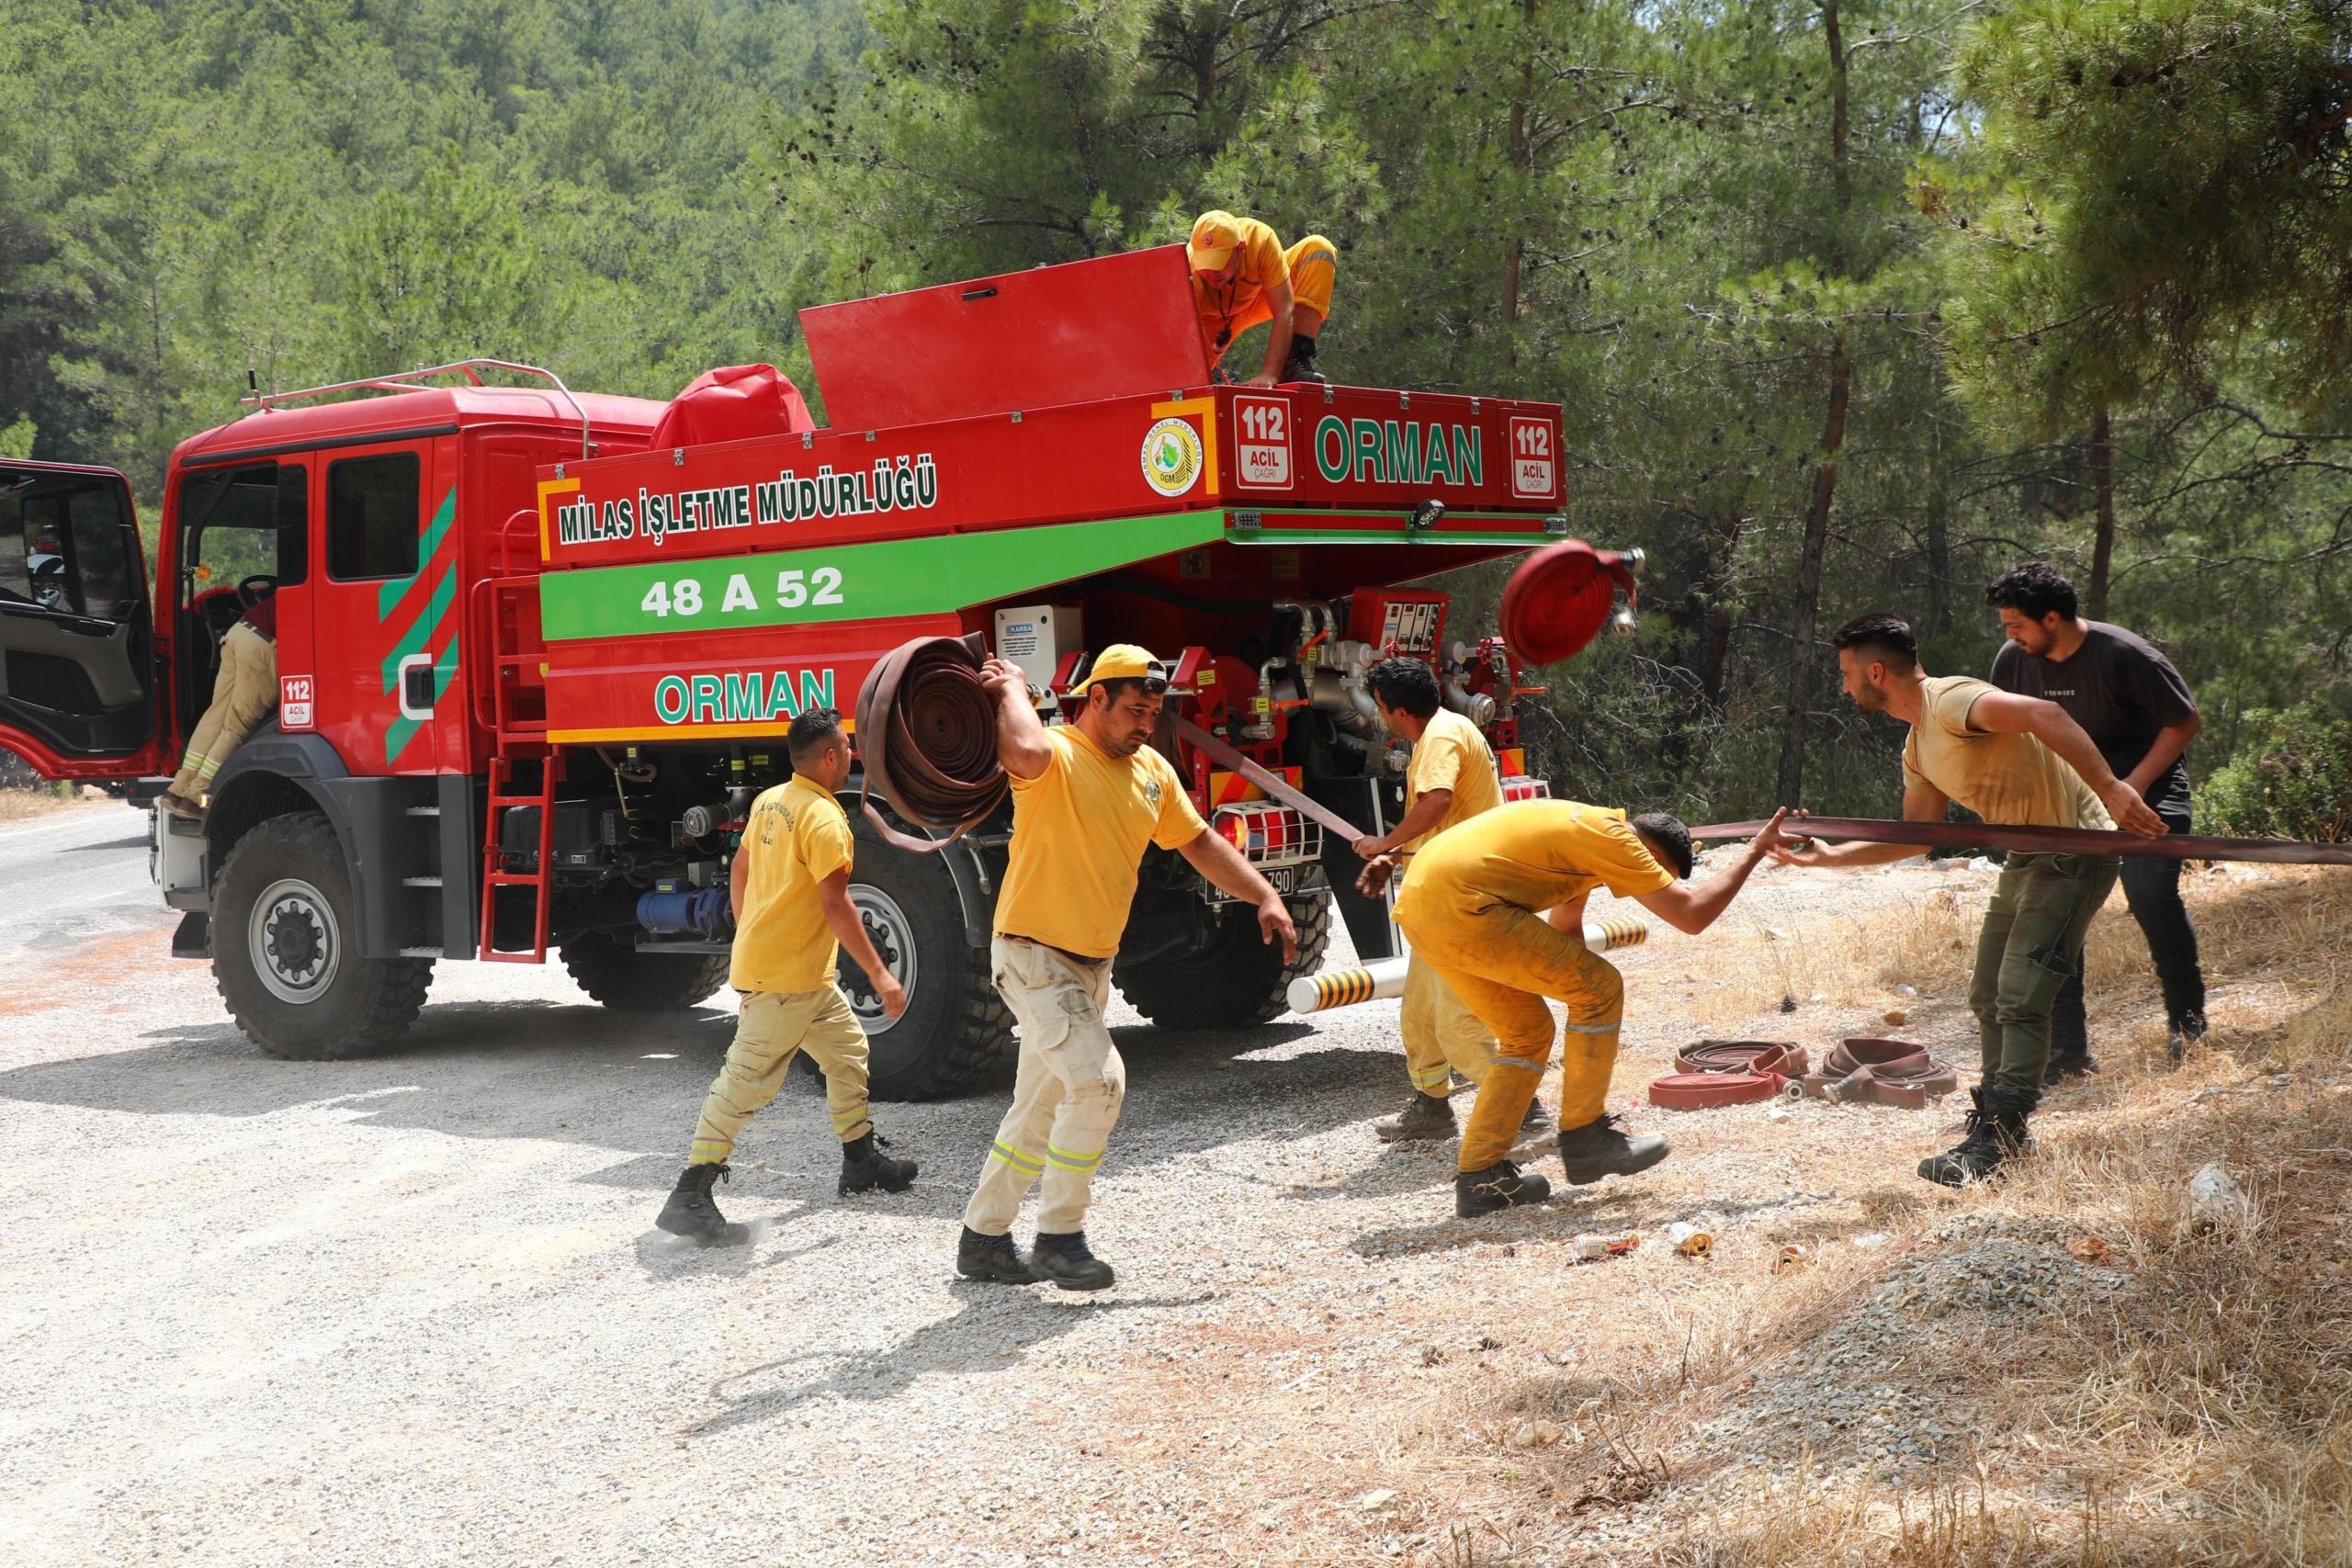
1088 799
1451 779
2013 760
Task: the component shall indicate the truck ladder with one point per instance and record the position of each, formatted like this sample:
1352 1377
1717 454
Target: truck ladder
494 874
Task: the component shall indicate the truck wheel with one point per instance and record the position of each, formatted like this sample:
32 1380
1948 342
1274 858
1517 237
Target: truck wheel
954 1025
1237 980
607 965
285 949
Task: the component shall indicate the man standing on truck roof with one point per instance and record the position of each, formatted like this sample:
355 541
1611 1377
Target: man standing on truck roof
1470 906
2139 713
789 887
1088 797
1451 778
2011 759
243 694
1242 276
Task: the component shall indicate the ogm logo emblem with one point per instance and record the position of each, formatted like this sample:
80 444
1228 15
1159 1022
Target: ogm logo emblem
1171 457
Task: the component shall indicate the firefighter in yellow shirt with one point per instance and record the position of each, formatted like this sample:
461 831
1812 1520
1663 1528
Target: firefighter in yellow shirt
1088 798
1451 779
789 887
1242 277
1469 907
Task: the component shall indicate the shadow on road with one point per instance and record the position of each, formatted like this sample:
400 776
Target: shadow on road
999 1325
579 1074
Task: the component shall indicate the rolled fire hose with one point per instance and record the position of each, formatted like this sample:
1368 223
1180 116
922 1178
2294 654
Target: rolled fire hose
926 738
1729 1072
1868 1071
2041 840
1741 1056
1376 982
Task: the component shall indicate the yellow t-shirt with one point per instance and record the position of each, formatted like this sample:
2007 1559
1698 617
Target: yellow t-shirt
1262 266
1078 832
1451 754
2011 779
1533 853
797 837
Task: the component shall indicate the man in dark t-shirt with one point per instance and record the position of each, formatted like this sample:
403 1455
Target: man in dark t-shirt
2138 712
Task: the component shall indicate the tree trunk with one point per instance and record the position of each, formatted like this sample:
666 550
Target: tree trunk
1801 655
1938 528
1522 153
2103 491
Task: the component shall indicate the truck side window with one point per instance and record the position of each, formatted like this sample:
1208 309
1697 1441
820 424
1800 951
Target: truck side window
372 517
102 553
245 522
62 547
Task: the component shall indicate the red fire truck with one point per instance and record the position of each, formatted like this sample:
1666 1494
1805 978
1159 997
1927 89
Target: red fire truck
537 649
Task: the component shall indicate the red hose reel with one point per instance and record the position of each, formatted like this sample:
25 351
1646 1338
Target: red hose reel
1562 595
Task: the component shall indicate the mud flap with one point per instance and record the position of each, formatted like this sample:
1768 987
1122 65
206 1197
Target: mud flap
193 937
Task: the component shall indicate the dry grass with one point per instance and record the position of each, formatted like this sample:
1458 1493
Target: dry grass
18 803
2206 1417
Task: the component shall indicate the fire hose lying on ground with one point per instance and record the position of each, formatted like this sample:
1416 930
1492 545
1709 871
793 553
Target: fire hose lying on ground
1859 1071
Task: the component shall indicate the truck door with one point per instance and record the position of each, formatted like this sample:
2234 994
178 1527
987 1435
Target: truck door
76 648
385 614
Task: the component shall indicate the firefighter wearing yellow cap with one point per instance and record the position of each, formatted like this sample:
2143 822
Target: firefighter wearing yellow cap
1088 798
1242 276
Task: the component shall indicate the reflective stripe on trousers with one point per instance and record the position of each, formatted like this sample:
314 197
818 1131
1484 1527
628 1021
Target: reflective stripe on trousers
1066 1093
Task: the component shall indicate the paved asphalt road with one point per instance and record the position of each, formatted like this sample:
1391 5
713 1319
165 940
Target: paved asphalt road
73 876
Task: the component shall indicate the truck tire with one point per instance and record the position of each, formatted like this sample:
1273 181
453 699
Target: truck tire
285 949
607 965
955 1025
1238 980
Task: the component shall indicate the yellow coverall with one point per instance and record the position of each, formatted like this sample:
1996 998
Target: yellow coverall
1469 907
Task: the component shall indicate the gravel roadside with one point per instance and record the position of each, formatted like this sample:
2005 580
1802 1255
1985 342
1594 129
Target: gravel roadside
412 1310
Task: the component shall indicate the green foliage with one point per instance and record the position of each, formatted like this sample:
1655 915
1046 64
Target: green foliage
2158 203
2291 777
16 440
1672 218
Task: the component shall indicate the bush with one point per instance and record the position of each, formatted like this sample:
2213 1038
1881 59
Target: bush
2290 777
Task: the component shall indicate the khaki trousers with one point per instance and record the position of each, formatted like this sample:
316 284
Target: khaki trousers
1442 1036
1503 961
1066 1092
774 1027
242 692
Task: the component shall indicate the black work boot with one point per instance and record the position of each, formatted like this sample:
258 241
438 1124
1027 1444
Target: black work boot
1996 1133
2070 1047
1499 1185
1536 1118
1429 1116
1065 1260
690 1211
2182 1031
864 1166
992 1258
1300 365
1602 1148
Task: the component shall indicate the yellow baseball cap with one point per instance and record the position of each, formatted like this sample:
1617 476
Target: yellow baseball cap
1123 661
1214 234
